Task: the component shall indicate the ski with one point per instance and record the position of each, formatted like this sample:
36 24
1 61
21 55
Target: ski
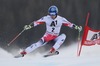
52 54
19 56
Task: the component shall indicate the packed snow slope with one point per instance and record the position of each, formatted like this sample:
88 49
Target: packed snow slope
90 56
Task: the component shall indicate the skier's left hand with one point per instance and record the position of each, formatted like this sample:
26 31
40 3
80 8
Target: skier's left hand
79 28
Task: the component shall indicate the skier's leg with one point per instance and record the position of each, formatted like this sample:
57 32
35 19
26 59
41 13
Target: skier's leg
33 47
59 41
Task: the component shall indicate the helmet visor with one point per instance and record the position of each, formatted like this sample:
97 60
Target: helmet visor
52 14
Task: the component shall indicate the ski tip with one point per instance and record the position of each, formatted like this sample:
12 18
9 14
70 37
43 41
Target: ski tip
18 56
45 56
56 53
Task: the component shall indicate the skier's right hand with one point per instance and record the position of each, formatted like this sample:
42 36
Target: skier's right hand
26 27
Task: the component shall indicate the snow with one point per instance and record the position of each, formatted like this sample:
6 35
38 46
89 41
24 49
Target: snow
90 56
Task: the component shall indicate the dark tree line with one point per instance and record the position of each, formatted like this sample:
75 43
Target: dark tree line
14 14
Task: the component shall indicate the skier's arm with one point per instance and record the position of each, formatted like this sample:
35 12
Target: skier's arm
38 23
71 25
33 24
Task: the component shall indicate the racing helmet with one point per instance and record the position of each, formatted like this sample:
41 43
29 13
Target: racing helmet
53 10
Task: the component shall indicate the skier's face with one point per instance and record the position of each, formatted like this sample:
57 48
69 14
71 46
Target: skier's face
53 16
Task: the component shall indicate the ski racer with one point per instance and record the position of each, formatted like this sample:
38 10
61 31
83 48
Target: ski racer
53 26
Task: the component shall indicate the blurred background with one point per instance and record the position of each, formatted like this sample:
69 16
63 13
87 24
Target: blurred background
14 14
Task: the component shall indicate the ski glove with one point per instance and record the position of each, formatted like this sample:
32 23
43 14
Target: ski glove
26 27
79 28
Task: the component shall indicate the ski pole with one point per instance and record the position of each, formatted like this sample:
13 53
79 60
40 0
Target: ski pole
79 33
15 37
78 39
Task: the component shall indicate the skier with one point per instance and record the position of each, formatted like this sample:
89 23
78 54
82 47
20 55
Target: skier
53 25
